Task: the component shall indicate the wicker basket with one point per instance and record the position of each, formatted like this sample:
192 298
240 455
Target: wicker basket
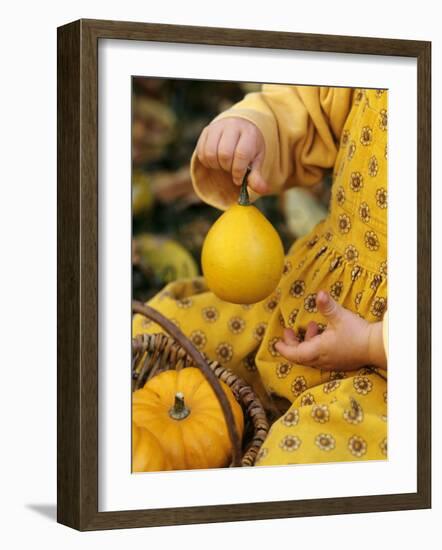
155 353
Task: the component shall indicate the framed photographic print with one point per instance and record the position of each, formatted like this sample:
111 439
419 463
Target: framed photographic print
228 203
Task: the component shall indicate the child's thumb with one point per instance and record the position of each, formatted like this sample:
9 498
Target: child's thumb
255 179
327 306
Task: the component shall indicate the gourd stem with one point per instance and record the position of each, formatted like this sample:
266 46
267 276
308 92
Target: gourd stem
244 194
179 411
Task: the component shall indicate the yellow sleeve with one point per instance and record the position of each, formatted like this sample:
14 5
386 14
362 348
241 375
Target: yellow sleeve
301 126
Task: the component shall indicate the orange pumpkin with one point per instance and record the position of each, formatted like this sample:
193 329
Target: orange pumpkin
182 413
147 455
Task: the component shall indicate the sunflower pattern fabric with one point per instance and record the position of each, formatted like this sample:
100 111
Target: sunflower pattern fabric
333 415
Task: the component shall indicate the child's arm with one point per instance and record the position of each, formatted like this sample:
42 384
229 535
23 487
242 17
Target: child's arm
289 134
348 342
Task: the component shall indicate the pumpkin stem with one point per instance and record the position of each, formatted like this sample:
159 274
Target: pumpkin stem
179 411
243 194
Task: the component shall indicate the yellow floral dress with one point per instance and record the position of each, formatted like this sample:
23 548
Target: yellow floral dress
332 415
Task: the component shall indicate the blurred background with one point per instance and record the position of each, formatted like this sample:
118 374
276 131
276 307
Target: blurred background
169 220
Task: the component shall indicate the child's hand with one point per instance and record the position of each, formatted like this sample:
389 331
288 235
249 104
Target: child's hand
232 144
347 343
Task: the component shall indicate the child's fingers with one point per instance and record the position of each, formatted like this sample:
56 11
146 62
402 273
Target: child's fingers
244 154
210 150
328 307
305 353
201 145
226 147
312 330
289 337
308 352
256 181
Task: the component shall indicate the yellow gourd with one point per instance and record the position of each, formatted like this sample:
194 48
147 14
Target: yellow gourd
181 412
164 257
242 257
142 196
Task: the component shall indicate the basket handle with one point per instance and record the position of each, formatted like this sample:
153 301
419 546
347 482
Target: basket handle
175 332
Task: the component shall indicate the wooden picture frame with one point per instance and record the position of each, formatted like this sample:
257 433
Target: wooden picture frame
78 274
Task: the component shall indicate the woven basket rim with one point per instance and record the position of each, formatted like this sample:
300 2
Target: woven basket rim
150 354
